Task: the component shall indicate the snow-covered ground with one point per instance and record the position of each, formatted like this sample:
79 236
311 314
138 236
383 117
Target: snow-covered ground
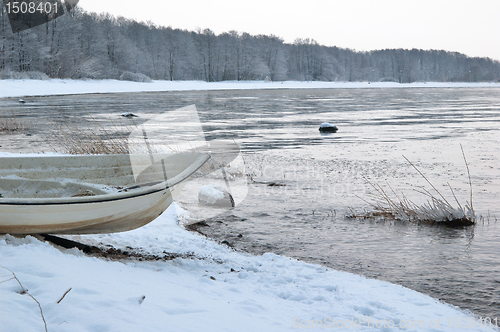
218 290
18 88
210 287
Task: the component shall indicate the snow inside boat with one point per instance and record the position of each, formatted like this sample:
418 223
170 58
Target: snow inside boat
89 194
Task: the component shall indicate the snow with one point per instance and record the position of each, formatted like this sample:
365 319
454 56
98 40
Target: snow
217 290
326 125
212 194
21 88
128 114
210 287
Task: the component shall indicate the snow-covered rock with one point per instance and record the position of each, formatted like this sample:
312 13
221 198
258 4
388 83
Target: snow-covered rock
129 115
213 195
328 128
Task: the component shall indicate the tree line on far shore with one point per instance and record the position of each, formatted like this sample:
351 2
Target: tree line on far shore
99 46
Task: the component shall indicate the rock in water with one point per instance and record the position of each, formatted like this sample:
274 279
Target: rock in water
326 127
129 115
217 196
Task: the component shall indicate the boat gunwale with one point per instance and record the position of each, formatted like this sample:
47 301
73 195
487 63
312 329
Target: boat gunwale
113 196
83 200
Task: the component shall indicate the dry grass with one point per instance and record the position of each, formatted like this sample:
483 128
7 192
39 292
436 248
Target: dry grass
12 125
91 140
437 209
96 139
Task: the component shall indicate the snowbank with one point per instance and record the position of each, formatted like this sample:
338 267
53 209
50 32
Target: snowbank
220 290
18 88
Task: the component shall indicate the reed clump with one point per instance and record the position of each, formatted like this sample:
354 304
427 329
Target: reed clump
436 210
12 125
97 139
91 139
73 140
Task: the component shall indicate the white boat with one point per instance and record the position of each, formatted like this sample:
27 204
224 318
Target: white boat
89 194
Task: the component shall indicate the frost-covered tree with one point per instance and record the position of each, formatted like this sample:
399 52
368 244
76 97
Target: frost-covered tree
82 44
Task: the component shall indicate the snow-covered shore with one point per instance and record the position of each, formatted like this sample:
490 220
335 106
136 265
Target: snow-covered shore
215 289
20 88
219 290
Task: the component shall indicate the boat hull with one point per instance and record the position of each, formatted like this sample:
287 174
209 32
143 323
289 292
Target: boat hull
130 207
85 218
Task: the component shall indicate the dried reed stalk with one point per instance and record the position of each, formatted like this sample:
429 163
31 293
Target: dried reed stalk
11 125
91 141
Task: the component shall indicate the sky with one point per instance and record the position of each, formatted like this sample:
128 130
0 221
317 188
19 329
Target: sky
469 27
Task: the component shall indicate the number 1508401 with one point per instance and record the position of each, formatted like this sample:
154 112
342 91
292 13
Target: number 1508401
25 7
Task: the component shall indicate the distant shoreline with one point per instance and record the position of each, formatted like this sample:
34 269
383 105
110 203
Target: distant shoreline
26 88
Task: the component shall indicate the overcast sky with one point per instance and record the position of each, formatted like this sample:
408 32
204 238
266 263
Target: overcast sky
470 27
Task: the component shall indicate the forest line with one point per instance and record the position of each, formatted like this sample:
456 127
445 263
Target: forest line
99 46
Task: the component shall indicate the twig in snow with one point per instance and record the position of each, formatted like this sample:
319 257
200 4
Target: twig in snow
25 291
64 295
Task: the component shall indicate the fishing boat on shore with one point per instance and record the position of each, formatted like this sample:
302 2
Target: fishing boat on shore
89 194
